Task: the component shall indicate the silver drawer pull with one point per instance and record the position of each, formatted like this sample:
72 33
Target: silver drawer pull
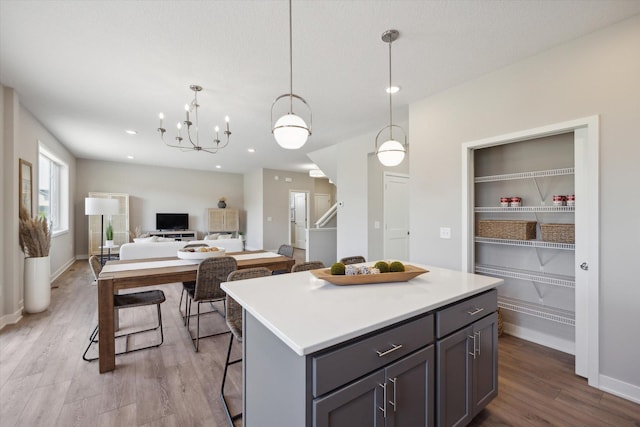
394 348
476 311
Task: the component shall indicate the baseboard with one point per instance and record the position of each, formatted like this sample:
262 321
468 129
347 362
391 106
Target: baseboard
61 270
620 388
541 338
11 319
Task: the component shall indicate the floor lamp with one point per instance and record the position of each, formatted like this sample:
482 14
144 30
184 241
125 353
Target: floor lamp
102 207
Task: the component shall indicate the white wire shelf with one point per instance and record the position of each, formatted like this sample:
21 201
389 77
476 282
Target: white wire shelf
543 312
525 175
533 276
527 243
494 209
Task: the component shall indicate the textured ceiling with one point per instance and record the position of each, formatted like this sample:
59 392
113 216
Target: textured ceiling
89 70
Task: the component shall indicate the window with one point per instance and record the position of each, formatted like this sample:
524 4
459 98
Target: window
53 190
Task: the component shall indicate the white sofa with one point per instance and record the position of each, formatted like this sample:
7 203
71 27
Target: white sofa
168 249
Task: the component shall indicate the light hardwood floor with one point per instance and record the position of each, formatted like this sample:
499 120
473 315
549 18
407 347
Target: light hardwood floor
45 382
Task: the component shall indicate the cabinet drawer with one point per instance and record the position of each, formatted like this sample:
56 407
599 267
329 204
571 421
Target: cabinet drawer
464 313
344 364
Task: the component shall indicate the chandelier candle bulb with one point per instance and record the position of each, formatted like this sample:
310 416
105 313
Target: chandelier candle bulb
226 119
217 129
161 117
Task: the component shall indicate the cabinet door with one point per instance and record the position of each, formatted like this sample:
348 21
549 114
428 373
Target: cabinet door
485 369
356 405
215 220
455 359
231 221
410 387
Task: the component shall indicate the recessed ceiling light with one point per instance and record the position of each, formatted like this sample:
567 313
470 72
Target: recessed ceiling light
218 166
251 150
130 157
131 132
393 89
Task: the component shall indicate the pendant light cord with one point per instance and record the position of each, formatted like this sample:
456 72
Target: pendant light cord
390 95
290 61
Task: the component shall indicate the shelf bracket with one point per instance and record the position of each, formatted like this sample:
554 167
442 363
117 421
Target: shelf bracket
537 288
540 261
542 199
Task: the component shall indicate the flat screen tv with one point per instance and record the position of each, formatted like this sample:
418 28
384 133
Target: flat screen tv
172 221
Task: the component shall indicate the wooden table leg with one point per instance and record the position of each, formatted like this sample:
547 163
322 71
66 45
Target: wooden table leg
106 337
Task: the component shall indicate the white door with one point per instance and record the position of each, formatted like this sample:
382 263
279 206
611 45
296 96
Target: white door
300 220
321 204
396 216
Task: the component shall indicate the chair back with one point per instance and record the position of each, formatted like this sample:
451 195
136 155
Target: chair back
96 266
353 260
305 266
234 310
286 250
212 272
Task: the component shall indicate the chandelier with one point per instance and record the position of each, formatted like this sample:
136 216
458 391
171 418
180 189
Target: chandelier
290 130
390 152
192 137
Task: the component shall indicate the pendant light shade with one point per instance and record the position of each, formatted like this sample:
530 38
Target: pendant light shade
291 131
391 152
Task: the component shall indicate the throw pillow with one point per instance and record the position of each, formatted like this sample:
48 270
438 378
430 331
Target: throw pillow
212 236
145 239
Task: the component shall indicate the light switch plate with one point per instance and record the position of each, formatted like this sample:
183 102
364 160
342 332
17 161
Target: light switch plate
445 232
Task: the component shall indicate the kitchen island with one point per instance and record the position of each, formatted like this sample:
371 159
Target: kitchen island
317 354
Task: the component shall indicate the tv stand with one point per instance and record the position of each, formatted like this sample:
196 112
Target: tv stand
175 234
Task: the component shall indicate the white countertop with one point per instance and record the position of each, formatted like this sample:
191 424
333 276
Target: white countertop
310 314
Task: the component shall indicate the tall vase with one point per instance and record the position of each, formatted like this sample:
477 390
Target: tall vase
37 285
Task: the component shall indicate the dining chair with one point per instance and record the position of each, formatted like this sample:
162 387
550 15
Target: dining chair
234 322
211 272
305 266
130 300
284 250
353 260
188 285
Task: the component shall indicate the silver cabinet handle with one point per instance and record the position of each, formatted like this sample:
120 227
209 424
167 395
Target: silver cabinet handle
476 311
393 403
384 399
392 349
478 334
472 337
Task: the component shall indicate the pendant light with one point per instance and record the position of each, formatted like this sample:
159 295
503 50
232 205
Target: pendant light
290 130
391 152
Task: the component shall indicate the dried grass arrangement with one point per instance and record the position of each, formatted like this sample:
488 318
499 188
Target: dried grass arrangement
35 235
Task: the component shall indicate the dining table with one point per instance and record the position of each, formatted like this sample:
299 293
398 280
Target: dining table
118 275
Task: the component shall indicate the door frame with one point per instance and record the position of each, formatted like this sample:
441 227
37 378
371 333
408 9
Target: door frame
385 175
586 162
307 211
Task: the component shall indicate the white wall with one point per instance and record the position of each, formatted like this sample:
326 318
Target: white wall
61 254
154 189
596 74
253 202
20 135
352 186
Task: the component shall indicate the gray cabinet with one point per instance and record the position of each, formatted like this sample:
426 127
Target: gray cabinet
400 394
467 376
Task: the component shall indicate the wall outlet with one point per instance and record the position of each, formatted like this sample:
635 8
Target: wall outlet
269 219
376 224
445 232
